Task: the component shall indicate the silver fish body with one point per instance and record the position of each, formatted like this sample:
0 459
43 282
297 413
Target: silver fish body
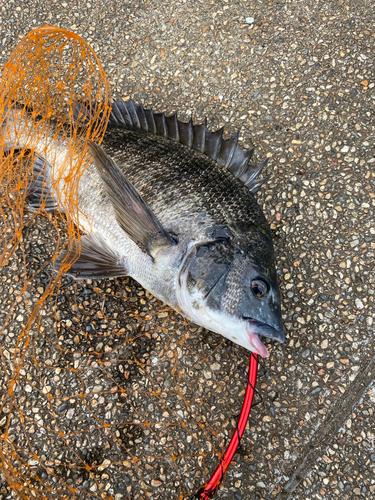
178 214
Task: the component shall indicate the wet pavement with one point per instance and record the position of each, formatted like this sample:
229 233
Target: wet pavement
299 79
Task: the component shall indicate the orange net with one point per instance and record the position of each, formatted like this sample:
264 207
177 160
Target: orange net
46 76
105 393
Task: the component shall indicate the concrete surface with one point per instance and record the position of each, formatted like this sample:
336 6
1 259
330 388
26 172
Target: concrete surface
298 77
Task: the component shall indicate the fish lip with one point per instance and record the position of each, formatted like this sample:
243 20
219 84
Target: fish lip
265 330
254 328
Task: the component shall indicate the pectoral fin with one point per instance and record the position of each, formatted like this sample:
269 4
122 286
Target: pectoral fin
132 213
97 260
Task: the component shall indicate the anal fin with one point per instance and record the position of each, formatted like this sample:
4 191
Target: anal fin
97 260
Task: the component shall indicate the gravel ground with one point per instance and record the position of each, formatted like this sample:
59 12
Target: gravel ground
298 77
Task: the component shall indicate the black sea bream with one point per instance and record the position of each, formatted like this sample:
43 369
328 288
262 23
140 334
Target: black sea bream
172 205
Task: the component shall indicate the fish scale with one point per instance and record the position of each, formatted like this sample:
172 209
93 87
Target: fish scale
165 173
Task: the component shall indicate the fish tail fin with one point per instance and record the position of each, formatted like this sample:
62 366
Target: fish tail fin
26 175
40 193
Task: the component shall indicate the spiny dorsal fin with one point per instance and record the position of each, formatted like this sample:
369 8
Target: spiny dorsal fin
198 137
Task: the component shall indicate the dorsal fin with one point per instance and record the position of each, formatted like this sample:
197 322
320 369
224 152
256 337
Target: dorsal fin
198 137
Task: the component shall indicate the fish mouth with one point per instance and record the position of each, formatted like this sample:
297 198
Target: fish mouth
254 328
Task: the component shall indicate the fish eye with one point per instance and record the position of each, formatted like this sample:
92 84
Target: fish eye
259 287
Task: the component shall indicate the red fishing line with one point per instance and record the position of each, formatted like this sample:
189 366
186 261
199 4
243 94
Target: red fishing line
213 484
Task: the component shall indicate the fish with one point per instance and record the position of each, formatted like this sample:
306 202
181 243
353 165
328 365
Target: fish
171 204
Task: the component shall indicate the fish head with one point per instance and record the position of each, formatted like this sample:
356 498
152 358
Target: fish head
232 292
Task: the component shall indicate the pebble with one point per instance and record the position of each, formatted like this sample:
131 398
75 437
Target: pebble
70 413
315 391
62 407
359 304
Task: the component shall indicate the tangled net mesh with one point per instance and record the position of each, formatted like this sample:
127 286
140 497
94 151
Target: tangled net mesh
106 392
